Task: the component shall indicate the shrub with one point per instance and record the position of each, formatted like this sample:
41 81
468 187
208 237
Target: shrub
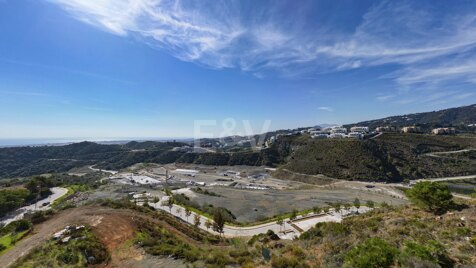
374 252
11 200
218 258
22 225
370 204
325 229
283 262
432 252
40 216
68 257
431 196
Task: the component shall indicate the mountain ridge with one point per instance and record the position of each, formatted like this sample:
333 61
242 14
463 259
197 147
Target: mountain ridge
459 117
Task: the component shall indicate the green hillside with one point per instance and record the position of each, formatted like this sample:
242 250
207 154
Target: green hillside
459 117
390 157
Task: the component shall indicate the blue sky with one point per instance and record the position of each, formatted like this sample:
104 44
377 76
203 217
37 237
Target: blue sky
147 68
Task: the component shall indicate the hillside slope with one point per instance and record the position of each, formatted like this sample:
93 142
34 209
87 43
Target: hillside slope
459 116
390 157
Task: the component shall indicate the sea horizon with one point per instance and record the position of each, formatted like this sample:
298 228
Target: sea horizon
23 142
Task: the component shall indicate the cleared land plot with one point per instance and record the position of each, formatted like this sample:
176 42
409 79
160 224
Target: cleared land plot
254 205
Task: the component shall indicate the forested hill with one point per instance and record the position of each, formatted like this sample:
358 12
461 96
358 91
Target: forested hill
26 161
459 117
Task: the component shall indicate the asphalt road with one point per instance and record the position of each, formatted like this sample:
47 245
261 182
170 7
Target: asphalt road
287 231
57 192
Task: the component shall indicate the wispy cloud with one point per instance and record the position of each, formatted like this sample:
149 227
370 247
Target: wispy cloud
325 108
413 36
63 69
24 93
384 97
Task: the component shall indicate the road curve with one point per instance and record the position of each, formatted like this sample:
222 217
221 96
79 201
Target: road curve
287 231
57 192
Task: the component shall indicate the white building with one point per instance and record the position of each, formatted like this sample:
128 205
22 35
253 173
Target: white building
443 131
411 129
337 136
356 135
359 129
141 196
386 129
341 130
188 172
320 136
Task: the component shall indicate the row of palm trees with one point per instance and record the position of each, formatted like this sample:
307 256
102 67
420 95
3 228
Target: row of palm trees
316 210
218 220
217 223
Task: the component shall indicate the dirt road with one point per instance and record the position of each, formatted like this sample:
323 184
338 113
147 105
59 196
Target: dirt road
113 227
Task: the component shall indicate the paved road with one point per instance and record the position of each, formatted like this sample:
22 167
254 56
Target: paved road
287 231
57 192
376 136
113 172
439 154
456 178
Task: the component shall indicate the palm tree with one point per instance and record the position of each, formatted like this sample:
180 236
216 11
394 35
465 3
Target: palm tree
347 206
293 214
337 207
316 210
178 210
357 203
280 222
170 204
208 224
196 220
187 212
370 204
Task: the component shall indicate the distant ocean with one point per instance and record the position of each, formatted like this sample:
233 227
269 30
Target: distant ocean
64 141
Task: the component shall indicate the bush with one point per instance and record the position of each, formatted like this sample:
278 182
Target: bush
40 216
12 199
2 247
432 252
283 262
22 225
374 252
325 229
68 257
431 196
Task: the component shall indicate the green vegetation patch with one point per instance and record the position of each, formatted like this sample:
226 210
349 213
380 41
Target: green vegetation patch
431 196
9 240
157 240
373 253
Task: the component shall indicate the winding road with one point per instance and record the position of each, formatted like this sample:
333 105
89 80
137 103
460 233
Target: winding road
113 172
18 214
439 154
289 230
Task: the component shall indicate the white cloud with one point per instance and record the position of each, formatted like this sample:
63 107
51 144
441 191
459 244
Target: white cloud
384 97
409 34
325 108
461 69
